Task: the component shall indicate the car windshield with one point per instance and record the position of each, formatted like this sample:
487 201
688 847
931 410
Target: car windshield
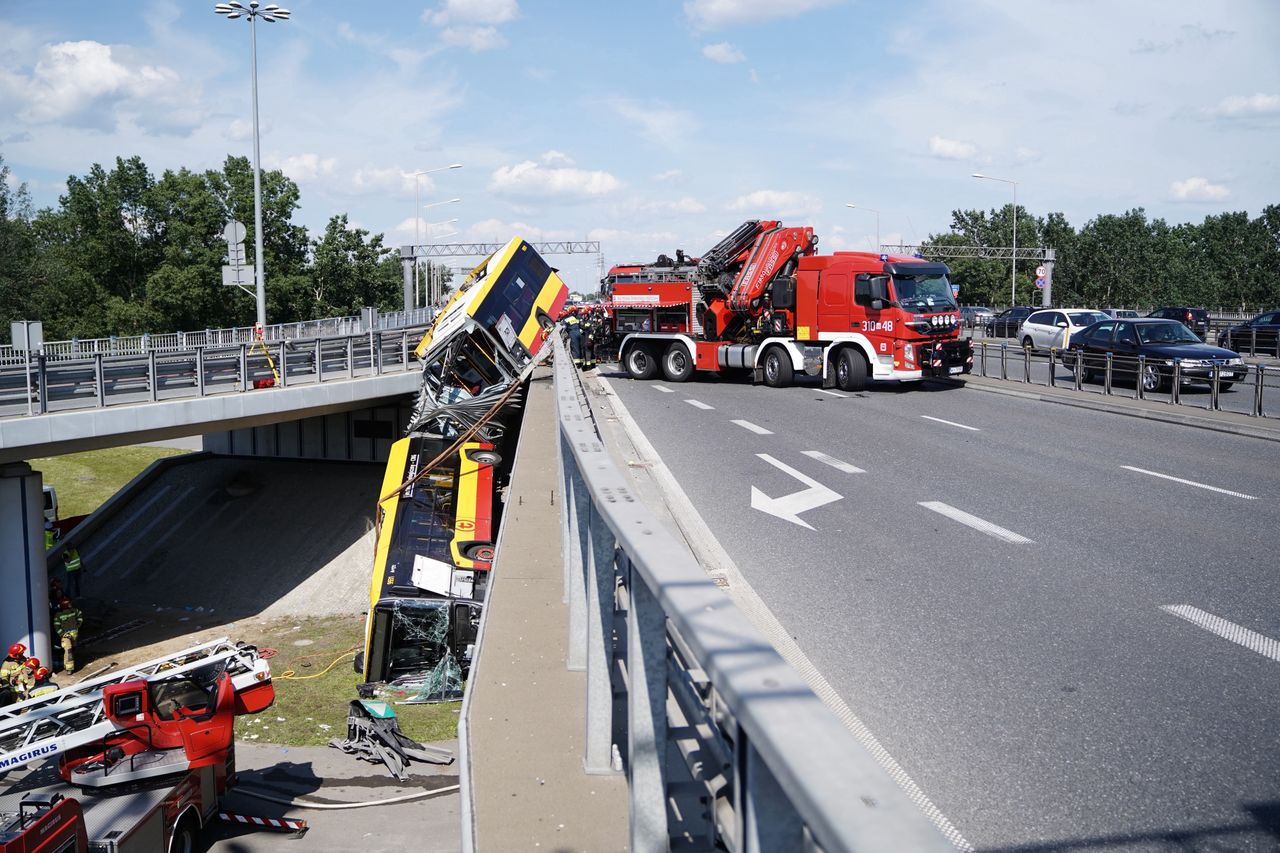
1087 318
922 294
1166 333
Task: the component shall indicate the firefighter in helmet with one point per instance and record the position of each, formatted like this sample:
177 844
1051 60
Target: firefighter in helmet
575 337
44 683
66 624
9 672
26 678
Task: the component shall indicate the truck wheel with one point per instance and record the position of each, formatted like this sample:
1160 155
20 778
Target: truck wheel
676 364
184 837
640 364
851 370
777 368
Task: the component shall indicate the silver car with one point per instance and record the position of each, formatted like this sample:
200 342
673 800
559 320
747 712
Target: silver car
1052 328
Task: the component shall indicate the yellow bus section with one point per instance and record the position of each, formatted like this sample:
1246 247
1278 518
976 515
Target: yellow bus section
392 477
547 295
464 524
475 297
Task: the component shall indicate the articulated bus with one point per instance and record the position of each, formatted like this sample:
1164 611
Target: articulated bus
432 557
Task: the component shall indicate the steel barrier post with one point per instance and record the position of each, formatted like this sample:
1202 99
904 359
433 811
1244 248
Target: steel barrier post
404 350
373 356
244 366
99 383
1139 392
42 383
151 374
1257 390
1053 379
284 365
351 357
984 358
1215 376
766 818
1004 361
1026 365
646 715
318 364
601 590
200 370
1106 379
1079 371
1253 340
1175 392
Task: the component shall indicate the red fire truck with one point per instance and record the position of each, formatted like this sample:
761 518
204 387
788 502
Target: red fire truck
762 301
134 762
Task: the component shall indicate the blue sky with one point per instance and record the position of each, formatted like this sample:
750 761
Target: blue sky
652 126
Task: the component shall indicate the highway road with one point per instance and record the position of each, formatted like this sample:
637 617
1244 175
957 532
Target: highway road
1061 623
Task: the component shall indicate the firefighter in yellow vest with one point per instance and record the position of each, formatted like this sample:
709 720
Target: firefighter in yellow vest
26 678
66 624
72 564
9 672
50 535
44 683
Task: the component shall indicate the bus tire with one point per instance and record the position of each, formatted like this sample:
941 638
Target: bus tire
640 363
486 457
777 368
851 370
358 663
676 364
481 551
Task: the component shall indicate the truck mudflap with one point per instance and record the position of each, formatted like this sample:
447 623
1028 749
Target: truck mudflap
947 358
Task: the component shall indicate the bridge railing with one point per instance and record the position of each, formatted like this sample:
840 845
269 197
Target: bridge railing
174 341
41 384
710 716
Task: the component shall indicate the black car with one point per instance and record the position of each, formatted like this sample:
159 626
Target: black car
1195 319
1162 342
1006 323
1259 335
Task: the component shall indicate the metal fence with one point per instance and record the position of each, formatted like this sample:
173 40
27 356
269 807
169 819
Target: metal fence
1244 388
42 384
723 744
175 341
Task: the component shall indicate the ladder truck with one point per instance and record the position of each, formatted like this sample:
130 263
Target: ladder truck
763 302
132 762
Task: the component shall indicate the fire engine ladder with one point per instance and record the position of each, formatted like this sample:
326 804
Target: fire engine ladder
47 725
719 256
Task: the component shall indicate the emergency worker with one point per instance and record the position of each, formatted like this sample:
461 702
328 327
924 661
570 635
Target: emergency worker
26 678
575 338
44 683
66 624
50 535
72 564
590 333
9 669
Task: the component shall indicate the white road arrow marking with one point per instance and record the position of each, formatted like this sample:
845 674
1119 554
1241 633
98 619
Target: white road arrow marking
789 507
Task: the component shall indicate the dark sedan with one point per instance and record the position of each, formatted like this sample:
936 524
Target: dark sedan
1006 323
1161 343
1259 335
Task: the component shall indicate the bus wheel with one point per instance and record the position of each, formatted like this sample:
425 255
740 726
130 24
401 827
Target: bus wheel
640 364
676 364
777 368
486 457
546 322
851 370
482 551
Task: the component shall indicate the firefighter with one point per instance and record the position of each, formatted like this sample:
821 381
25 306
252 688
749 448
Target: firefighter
50 535
66 624
9 669
575 338
25 678
43 684
72 564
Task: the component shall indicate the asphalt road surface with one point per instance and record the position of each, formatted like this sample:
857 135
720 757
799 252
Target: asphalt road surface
1060 622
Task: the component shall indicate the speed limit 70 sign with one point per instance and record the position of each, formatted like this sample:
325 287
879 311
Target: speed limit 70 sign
1040 271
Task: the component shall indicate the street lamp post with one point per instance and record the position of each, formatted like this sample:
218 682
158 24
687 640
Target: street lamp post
1013 277
876 212
431 270
270 13
411 299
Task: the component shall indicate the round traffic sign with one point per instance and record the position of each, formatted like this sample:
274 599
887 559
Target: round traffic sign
1039 284
234 232
1040 271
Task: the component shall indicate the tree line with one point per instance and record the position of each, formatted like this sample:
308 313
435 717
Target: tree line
124 252
1228 261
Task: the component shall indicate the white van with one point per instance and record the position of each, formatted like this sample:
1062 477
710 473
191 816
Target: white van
50 503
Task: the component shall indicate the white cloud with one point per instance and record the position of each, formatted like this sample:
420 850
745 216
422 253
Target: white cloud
1022 154
713 14
770 203
687 204
556 158
670 128
473 12
304 167
533 179
474 39
724 53
1238 106
668 175
1198 189
951 149
499 231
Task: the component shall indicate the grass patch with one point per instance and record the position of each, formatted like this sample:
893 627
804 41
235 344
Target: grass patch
305 705
85 480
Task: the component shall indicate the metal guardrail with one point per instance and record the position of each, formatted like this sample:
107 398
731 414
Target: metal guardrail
45 385
1138 377
709 714
175 341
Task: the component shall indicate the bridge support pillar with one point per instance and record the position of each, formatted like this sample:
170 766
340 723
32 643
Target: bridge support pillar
24 575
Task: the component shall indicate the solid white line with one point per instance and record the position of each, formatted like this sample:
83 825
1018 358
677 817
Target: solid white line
664 389
1190 483
758 430
833 462
713 556
976 523
950 423
698 404
1238 634
832 393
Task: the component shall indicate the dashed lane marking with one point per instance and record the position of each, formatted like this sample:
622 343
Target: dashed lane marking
950 423
979 524
1238 634
832 393
750 427
698 404
833 462
1190 483
664 389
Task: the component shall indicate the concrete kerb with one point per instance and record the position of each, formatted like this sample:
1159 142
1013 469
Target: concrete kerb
1227 422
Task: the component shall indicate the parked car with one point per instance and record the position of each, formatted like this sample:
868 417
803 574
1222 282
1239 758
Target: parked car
973 315
1196 319
50 503
1006 323
1120 313
1261 334
1161 342
1052 329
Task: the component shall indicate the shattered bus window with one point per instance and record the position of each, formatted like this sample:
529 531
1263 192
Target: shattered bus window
419 636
